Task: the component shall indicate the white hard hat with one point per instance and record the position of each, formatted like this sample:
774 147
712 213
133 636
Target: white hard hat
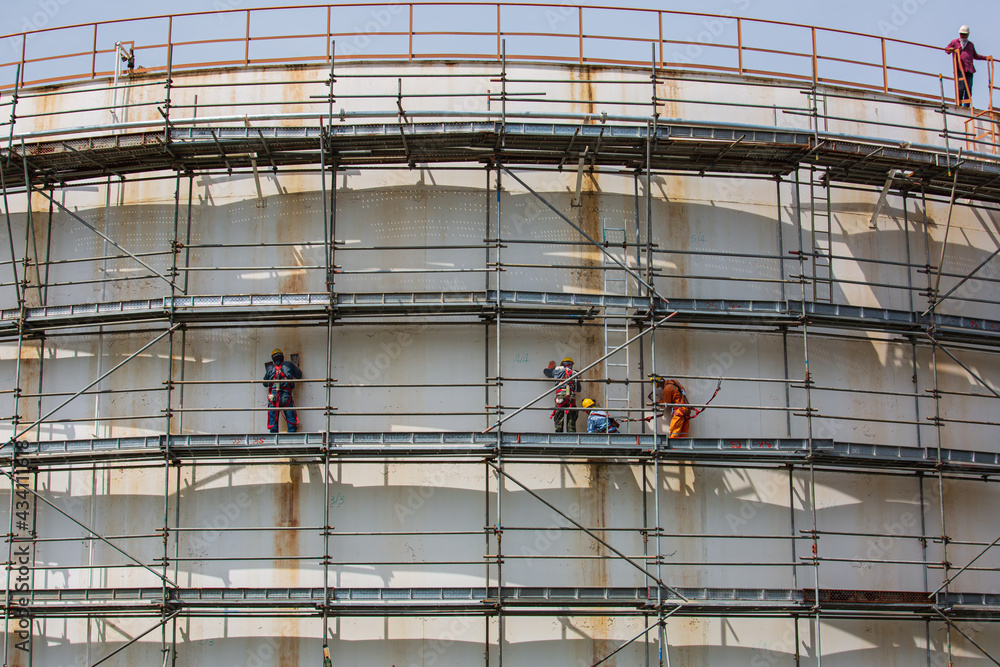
964 30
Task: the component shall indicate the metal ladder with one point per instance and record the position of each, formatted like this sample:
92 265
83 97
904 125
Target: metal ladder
616 319
821 226
819 206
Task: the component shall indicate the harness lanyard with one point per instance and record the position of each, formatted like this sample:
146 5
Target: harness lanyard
714 394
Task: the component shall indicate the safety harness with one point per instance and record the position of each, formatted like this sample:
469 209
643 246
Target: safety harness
275 387
567 402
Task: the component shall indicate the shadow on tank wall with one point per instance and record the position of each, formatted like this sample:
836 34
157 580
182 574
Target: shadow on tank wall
236 512
888 286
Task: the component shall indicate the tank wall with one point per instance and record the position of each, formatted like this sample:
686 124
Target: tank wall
715 238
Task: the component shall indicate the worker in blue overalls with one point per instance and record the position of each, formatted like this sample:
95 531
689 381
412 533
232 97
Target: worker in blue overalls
598 420
278 380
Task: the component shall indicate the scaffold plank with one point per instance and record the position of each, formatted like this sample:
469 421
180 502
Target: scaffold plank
697 148
109 602
621 448
541 305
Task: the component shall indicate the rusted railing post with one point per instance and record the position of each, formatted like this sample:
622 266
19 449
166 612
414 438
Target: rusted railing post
815 58
93 57
989 69
956 66
579 12
739 42
411 31
246 52
19 79
885 69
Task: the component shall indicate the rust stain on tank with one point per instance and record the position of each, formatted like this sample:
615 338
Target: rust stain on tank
589 218
677 232
600 478
583 89
293 281
31 368
288 650
668 90
287 508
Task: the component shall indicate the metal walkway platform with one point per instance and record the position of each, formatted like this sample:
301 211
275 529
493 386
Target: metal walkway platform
620 448
515 600
678 145
546 306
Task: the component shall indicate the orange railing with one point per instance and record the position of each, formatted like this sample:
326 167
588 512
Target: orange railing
981 126
582 34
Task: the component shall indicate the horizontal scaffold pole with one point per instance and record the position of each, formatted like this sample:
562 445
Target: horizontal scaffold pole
579 525
596 244
970 639
582 370
87 528
104 236
124 361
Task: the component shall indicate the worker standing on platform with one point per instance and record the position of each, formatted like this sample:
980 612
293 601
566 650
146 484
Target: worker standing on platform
278 376
965 69
598 421
670 395
564 414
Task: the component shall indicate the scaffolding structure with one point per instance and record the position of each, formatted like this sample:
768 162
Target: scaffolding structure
633 313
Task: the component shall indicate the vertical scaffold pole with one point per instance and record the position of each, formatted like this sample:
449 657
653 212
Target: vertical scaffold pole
13 112
913 342
10 239
168 651
931 296
499 412
663 651
642 360
31 530
14 422
184 290
643 466
487 278
936 419
807 383
498 531
166 101
328 242
784 329
330 82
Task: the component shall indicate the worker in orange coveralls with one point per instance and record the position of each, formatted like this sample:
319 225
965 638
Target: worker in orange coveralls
668 393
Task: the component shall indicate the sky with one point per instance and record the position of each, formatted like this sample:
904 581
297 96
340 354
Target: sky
926 21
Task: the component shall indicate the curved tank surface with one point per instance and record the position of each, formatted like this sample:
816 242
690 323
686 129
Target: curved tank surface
422 222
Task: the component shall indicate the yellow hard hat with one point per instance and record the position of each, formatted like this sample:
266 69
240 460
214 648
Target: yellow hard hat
276 351
587 402
567 360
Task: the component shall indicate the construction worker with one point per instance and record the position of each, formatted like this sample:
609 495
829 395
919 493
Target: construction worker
671 393
277 379
567 389
598 421
964 67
